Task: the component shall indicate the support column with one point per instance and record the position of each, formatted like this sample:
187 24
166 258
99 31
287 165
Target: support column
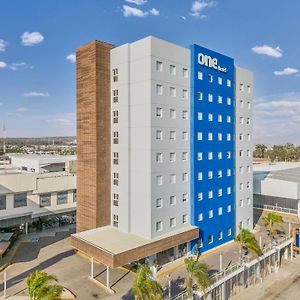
221 262
224 291
26 228
4 285
92 267
292 252
176 252
107 277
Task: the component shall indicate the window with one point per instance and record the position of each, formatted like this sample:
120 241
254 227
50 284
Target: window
220 235
241 137
172 222
210 174
210 117
241 120
173 178
229 190
200 176
74 196
185 72
115 220
241 224
199 136
248 153
229 231
219 155
115 158
173 113
220 80
200 196
229 208
220 192
241 87
115 74
228 101
184 219
2 202
228 137
200 96
45 199
116 137
159 226
210 136
159 66
116 199
228 154
228 172
184 197
200 217
172 70
210 239
228 119
159 135
241 186
159 203
228 82
199 155
220 99
248 89
184 156
20 200
248 222
184 115
159 157
62 197
219 173
210 155
210 194
172 157
241 103
172 92
248 121
200 116
185 177
184 94
159 112
241 202
210 78
116 178
115 96
184 135
115 116
220 211
220 136
172 200
241 153
200 75
219 118
241 169
248 185
248 201
248 169
210 98
159 89
159 180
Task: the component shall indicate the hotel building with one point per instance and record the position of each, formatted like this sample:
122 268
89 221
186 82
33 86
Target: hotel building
159 143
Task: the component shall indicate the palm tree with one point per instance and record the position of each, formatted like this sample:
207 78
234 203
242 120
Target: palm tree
144 287
246 239
41 286
196 271
272 222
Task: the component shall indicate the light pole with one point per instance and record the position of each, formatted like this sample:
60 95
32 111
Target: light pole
4 285
169 281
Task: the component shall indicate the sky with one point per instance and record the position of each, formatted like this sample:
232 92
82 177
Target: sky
38 40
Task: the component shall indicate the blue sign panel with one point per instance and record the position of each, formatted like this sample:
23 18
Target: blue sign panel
212 147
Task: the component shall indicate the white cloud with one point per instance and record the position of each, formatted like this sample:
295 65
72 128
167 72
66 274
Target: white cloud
2 65
200 5
22 109
31 38
154 12
21 65
129 11
3 45
183 18
137 2
71 57
61 121
36 94
268 50
286 71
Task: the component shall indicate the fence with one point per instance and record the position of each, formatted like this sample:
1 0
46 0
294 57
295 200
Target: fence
276 208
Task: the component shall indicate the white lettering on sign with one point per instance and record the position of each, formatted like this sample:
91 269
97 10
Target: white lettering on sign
208 61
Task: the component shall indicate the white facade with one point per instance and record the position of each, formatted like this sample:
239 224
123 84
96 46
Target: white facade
150 161
243 154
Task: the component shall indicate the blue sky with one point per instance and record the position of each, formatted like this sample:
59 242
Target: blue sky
37 80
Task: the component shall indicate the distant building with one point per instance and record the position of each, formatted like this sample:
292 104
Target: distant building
277 187
36 187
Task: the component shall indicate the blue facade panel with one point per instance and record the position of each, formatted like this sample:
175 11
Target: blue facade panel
211 118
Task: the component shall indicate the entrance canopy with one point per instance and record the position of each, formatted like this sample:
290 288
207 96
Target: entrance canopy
115 248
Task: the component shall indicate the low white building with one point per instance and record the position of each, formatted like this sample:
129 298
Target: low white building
28 195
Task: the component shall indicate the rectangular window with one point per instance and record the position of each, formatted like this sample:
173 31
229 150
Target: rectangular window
210 98
172 200
199 136
219 173
184 219
173 178
115 158
228 137
210 117
159 112
219 118
159 226
185 72
228 172
241 153
241 186
241 87
248 185
248 169
159 180
200 116
172 157
229 190
184 94
159 157
241 203
172 70
241 137
248 121
220 136
220 235
228 101
220 99
172 92
219 155
210 239
116 137
184 135
184 115
116 199
220 80
200 75
200 217
210 174
229 208
248 153
172 135
200 196
210 78
220 211
159 135
248 201
248 222
241 103
241 120
116 178
173 113
20 200
220 192
74 196
228 154
199 155
115 220
210 194
210 213
45 200
115 116
248 137
62 197
200 176
172 222
158 203
115 72
184 197
228 119
115 96
229 231
248 89
185 177
184 156
210 136
200 96
159 66
228 82
210 155
159 89
2 202
241 170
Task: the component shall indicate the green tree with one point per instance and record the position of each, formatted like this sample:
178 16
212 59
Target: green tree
272 222
246 239
144 287
260 150
196 271
41 286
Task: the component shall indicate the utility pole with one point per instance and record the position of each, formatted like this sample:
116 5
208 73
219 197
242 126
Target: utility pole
4 139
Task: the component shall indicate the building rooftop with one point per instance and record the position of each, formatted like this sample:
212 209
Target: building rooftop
45 158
